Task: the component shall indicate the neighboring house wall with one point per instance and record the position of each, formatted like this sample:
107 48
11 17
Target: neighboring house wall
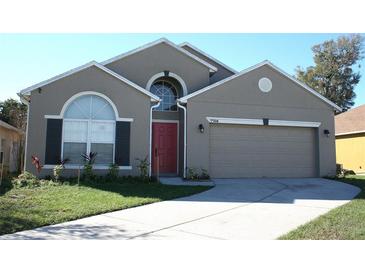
129 102
241 98
350 152
222 71
141 66
10 145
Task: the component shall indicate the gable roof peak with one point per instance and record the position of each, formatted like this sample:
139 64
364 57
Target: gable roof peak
258 65
156 42
27 91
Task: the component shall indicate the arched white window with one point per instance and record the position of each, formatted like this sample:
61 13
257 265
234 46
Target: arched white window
89 126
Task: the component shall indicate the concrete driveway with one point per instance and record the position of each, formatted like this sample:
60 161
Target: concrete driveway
233 209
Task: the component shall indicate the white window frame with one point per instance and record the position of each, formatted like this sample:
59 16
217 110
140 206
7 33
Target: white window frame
170 74
161 98
61 116
89 123
88 137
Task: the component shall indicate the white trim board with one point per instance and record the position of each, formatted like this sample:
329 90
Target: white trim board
235 121
208 56
159 41
284 123
60 117
260 122
83 67
95 167
185 98
350 132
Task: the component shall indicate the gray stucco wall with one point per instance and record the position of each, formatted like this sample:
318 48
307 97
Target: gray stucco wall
141 66
217 76
129 102
241 98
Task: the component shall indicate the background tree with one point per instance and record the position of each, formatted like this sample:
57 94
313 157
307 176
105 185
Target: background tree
333 74
14 113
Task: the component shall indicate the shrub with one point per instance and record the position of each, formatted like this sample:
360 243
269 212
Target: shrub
88 167
58 169
26 179
113 171
348 172
88 172
194 174
341 172
5 186
143 167
339 169
204 174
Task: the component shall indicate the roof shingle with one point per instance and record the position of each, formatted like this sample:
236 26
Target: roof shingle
351 121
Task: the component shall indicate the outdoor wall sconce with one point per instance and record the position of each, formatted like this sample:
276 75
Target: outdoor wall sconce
201 128
326 132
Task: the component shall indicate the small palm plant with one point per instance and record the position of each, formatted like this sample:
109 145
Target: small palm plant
88 166
58 169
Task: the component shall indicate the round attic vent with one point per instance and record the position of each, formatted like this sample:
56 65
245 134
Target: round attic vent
265 84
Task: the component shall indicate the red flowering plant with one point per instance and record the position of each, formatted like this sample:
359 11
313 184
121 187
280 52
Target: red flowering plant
37 163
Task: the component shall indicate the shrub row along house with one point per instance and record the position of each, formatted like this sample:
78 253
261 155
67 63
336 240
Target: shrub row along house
181 108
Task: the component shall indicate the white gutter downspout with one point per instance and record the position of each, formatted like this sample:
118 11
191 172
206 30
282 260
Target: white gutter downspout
150 154
184 109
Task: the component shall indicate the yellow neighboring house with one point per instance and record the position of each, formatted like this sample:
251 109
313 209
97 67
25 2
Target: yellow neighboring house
350 139
11 140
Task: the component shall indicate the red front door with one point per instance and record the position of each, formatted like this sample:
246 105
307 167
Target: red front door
164 147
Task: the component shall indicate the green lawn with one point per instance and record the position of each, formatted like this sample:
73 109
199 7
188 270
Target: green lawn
346 222
22 208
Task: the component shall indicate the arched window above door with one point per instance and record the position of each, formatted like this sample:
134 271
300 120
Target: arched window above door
167 92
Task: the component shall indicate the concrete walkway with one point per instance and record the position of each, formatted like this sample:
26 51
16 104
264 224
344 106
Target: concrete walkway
233 209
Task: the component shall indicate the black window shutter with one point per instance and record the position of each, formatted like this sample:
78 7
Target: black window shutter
53 141
122 143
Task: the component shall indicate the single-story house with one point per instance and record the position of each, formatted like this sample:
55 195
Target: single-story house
181 108
10 148
350 139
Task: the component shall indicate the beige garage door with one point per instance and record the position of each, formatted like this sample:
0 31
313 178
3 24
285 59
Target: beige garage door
261 151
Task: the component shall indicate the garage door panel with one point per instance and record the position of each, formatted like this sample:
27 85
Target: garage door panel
255 160
249 138
257 151
258 172
256 131
264 148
